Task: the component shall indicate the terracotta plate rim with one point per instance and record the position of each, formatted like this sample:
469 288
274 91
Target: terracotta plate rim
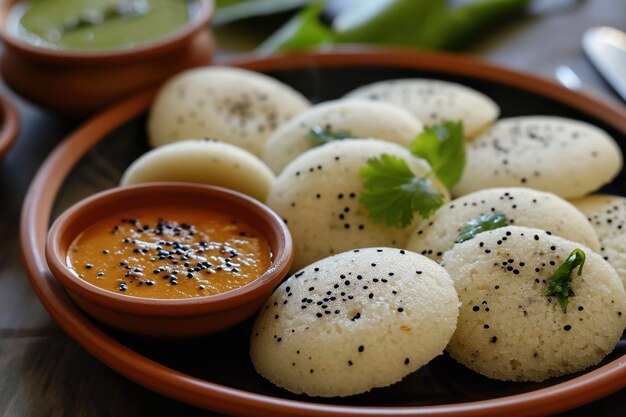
9 125
42 192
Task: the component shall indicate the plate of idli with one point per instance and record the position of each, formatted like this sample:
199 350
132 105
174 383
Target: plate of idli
458 234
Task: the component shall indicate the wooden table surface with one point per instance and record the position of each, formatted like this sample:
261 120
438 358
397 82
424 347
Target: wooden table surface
45 373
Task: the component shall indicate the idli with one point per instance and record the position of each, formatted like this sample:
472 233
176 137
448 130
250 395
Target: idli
521 206
435 101
355 118
203 162
566 157
355 321
318 193
509 328
232 105
607 215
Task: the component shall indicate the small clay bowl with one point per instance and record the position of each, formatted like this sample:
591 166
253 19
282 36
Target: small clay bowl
9 125
159 318
76 83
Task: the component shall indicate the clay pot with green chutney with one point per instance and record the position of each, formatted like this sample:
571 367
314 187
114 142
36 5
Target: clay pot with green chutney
75 57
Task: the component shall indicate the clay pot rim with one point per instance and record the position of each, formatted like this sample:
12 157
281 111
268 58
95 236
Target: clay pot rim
120 198
9 125
170 42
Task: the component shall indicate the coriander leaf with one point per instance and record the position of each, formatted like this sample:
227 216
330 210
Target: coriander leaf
443 147
322 135
392 193
481 224
560 281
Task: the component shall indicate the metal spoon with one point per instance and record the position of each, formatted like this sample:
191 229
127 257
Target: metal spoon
606 48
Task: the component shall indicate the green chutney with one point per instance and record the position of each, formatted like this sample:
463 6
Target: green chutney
97 25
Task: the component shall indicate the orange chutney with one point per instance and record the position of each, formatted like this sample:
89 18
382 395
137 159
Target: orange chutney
169 252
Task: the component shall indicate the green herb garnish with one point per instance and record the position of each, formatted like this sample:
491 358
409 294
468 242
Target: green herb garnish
323 135
392 193
443 147
559 283
481 224
123 9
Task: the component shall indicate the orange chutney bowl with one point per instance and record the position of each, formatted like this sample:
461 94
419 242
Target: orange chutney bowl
169 260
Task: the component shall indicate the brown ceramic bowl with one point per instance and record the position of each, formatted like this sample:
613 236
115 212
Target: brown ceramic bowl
9 125
76 83
179 318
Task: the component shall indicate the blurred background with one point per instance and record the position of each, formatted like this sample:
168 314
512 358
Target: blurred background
541 36
288 25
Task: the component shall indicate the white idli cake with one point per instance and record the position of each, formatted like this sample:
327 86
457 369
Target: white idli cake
510 328
521 207
203 162
355 321
607 215
352 118
229 104
317 195
566 157
435 101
